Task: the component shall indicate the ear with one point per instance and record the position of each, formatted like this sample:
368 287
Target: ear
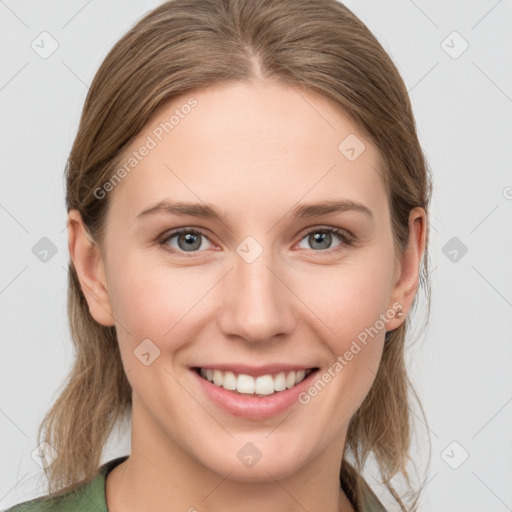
86 256
407 270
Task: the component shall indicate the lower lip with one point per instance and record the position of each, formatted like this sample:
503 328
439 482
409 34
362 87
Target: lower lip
251 406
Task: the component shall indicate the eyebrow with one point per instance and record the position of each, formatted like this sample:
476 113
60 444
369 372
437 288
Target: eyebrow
207 211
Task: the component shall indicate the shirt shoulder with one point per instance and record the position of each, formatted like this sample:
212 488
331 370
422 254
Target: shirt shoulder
369 500
351 482
372 504
89 497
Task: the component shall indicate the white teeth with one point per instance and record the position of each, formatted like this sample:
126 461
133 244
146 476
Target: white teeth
290 380
280 382
229 381
217 377
264 385
246 384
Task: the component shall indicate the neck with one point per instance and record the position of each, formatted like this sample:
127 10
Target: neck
161 476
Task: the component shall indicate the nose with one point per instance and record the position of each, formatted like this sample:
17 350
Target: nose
257 304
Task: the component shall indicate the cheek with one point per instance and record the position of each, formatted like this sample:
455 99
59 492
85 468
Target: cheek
356 350
156 302
347 300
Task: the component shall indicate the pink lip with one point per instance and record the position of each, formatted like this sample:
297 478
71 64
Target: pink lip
251 406
256 371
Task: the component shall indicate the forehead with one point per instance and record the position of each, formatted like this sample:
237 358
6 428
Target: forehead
249 148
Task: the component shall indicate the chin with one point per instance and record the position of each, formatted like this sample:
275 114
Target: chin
260 460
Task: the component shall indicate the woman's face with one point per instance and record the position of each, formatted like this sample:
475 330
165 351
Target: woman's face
256 285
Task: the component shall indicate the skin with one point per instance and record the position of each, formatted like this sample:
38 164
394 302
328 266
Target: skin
253 151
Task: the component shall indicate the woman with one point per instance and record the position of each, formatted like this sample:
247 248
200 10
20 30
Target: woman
247 219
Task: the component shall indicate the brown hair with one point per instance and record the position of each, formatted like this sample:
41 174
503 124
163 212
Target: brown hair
183 46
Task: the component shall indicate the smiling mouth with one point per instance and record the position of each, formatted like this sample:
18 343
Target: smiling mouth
262 385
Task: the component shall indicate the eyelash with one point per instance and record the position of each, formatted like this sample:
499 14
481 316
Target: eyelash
345 239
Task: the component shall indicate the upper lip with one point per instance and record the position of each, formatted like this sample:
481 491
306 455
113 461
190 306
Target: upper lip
255 371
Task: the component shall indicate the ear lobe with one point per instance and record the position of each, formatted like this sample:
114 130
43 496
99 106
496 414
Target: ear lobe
86 257
405 288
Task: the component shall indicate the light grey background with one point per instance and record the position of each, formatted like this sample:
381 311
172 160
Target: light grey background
461 365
